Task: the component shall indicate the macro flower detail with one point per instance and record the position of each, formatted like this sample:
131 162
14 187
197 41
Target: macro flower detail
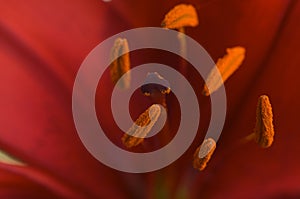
120 64
40 61
225 67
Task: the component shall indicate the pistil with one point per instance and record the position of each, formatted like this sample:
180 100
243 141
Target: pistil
156 87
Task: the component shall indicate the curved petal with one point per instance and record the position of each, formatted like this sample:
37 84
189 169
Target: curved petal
42 47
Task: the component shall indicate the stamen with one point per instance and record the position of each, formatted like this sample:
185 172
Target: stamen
180 16
142 126
225 66
120 65
264 129
8 159
203 154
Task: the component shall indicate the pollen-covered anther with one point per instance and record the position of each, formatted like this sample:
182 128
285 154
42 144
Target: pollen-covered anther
141 127
223 69
264 129
180 16
203 154
120 63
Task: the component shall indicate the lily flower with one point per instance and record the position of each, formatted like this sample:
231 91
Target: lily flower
42 46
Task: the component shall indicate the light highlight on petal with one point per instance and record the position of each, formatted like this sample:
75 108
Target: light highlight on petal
8 159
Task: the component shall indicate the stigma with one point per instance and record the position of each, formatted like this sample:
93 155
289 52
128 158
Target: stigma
156 87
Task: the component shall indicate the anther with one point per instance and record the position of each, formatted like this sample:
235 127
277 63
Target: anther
264 129
224 67
120 63
263 133
141 127
156 87
180 16
203 153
